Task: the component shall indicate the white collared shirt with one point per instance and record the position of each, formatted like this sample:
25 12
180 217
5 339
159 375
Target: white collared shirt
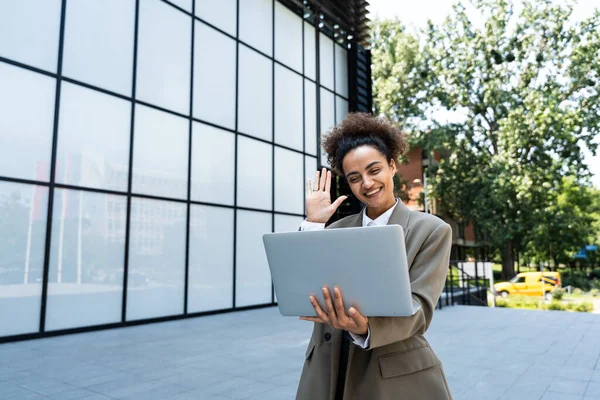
383 219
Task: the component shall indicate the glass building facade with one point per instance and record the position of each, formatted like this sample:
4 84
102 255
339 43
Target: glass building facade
146 147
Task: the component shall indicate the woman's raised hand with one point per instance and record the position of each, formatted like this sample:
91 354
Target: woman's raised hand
319 207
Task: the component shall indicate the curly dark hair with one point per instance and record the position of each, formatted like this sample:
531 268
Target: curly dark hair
360 129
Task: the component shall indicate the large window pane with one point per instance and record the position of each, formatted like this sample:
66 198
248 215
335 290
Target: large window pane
253 278
310 52
85 280
213 166
289 181
327 117
288 37
29 31
26 123
214 76
93 139
164 51
254 174
326 61
287 223
155 279
98 46
23 210
288 108
160 153
341 70
255 95
184 4
310 117
222 14
341 109
256 24
211 259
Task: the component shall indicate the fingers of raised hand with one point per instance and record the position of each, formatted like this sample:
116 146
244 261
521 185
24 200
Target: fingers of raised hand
323 180
316 182
328 182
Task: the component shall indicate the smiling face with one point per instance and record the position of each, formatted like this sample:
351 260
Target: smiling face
371 178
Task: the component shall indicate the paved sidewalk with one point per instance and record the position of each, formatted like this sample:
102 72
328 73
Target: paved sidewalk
487 353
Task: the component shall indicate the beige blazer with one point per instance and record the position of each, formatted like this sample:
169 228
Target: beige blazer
399 364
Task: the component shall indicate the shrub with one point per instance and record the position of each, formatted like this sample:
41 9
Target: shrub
595 292
558 294
556 305
576 279
524 302
595 285
595 274
502 303
577 292
584 306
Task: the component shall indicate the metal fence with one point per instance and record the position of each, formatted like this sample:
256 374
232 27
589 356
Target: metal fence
467 283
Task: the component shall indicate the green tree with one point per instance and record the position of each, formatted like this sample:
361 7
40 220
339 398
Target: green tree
507 97
565 225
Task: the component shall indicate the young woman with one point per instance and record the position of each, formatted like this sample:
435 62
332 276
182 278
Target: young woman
353 356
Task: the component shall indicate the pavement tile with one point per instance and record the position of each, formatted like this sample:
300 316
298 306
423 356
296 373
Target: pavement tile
259 355
568 386
560 396
593 389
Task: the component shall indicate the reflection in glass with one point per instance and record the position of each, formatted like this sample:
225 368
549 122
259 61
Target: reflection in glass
341 109
85 279
29 31
341 70
26 140
184 4
163 58
253 278
310 117
214 76
254 174
310 52
221 14
23 211
255 94
98 46
211 259
213 164
287 223
155 278
288 37
256 24
289 181
288 103
326 61
327 117
93 139
160 153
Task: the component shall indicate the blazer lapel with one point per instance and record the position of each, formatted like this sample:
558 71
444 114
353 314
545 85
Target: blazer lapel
400 216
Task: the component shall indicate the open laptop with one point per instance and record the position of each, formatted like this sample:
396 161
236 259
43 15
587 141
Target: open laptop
368 264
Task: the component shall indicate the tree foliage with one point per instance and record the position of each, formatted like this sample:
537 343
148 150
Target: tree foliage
507 95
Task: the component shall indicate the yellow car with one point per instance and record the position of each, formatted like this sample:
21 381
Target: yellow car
530 284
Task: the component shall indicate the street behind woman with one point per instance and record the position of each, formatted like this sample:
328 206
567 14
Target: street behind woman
351 356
